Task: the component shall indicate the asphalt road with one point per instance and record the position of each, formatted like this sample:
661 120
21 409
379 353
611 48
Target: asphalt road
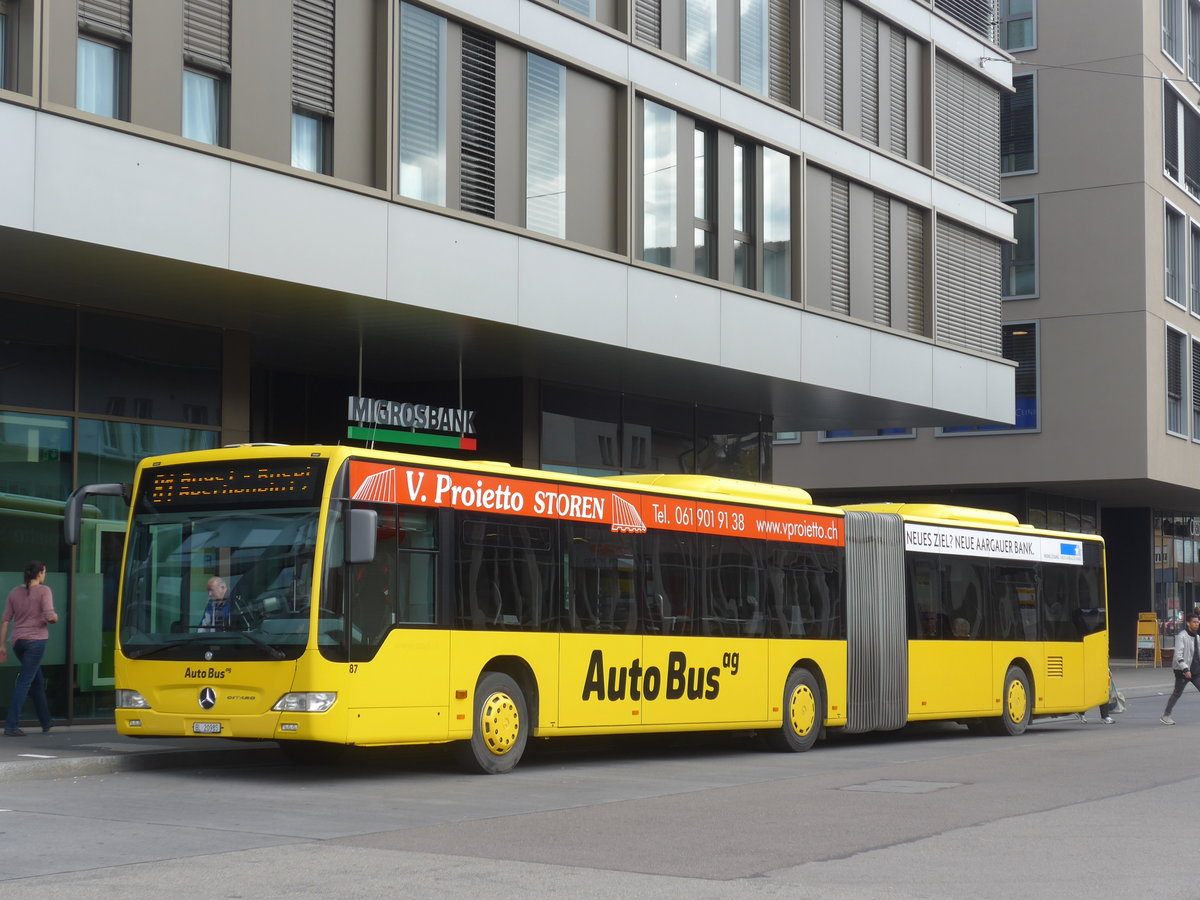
1064 811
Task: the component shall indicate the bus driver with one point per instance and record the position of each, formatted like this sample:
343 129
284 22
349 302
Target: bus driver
219 612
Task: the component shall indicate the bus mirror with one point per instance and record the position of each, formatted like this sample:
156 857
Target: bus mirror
361 527
73 514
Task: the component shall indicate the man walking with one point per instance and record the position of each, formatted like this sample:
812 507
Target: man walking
1186 664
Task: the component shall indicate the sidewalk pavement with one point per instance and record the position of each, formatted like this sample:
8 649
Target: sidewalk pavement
69 751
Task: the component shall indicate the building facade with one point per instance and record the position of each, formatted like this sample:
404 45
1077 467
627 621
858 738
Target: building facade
1100 160
612 235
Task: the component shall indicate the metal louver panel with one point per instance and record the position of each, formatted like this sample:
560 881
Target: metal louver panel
779 51
206 32
916 272
647 22
107 16
967 133
882 260
833 63
978 15
478 123
312 54
839 246
877 630
898 113
967 296
1175 351
870 78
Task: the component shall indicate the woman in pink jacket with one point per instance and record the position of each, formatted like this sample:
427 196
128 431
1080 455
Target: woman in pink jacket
29 609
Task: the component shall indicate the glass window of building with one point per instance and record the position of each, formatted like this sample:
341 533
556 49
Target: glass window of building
580 431
743 215
701 33
1193 40
1018 148
583 7
659 184
1020 344
858 434
313 38
705 258
137 369
1176 353
753 55
777 223
100 78
310 147
203 108
1172 29
728 444
422 139
657 436
1173 255
545 147
38 350
1019 260
4 54
1017 30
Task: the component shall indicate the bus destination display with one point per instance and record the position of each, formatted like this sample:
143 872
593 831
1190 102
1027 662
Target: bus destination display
276 482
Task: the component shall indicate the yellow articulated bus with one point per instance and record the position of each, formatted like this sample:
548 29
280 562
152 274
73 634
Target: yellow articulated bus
324 597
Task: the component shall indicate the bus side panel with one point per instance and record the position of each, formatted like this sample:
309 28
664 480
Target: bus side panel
829 660
1062 687
709 680
602 677
473 652
947 679
1095 669
402 694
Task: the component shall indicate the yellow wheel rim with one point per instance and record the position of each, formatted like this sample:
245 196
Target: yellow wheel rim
802 710
499 723
1018 702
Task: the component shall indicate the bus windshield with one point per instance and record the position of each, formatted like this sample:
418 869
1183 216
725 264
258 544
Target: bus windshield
232 584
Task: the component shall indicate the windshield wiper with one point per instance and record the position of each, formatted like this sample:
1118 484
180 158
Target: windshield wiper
274 652
157 648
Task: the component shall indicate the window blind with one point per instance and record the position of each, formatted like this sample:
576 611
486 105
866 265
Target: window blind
967 130
898 113
978 15
1171 133
545 163
967 288
111 17
779 50
915 294
832 64
881 288
870 78
839 246
206 32
647 22
312 54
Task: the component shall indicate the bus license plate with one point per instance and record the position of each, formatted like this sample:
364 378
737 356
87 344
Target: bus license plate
206 727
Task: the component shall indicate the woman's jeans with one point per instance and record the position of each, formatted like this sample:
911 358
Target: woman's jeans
29 681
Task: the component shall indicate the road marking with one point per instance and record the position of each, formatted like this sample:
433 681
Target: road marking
37 755
902 787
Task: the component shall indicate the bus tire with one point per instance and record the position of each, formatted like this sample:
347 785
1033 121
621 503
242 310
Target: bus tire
499 727
803 709
1016 704
311 753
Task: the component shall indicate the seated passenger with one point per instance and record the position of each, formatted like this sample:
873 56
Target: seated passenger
962 628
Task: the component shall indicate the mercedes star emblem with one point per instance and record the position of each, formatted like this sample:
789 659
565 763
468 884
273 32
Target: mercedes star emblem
208 698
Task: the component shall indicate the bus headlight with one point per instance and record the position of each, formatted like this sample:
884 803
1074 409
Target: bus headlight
305 701
131 700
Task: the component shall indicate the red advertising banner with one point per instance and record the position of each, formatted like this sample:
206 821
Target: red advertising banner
621 510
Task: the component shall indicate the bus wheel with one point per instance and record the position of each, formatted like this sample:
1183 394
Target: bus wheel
1016 707
311 753
500 727
802 714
